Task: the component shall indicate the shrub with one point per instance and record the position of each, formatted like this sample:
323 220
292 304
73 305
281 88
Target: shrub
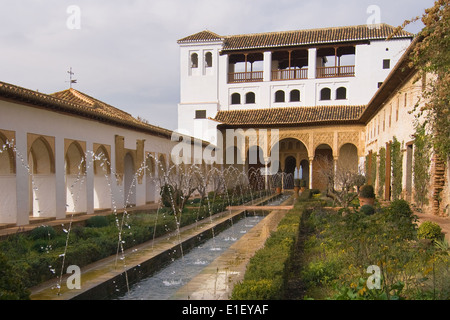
11 285
429 230
367 191
43 232
367 209
97 222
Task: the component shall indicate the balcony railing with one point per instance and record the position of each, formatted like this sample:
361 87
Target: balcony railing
333 72
251 76
289 74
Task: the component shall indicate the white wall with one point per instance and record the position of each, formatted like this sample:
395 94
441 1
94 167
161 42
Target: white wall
51 189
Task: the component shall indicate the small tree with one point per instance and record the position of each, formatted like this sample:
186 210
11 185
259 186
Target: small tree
341 180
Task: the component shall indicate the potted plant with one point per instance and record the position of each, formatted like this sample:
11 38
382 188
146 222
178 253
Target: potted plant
296 187
302 185
278 186
366 195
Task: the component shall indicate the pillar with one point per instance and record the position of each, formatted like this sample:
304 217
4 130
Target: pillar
312 59
267 74
311 172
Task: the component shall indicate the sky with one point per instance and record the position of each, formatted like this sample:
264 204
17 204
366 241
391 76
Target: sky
125 52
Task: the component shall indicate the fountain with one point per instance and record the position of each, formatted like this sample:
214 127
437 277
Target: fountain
215 188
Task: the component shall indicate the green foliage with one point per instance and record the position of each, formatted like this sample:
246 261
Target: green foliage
382 172
265 275
367 191
367 209
11 285
397 168
43 232
429 230
421 164
97 222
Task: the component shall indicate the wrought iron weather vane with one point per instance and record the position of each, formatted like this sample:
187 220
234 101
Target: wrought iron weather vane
71 81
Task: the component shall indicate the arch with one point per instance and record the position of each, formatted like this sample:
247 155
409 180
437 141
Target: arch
194 60
323 160
102 163
75 159
250 97
235 98
280 96
130 180
341 93
42 180
304 171
102 184
75 169
325 94
208 59
290 166
348 157
294 95
7 157
150 172
8 207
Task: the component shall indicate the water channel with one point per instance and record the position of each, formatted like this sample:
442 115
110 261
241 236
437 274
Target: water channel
166 282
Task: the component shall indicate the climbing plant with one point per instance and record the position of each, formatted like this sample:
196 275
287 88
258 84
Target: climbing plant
421 164
381 172
397 170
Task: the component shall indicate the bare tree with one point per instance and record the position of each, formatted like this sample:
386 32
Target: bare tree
342 179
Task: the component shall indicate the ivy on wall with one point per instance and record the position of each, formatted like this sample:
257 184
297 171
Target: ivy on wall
397 168
421 164
381 172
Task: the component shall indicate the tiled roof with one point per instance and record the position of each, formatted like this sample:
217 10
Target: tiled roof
300 37
202 36
75 103
79 98
290 115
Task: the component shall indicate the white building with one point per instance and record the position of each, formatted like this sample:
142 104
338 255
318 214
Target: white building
318 67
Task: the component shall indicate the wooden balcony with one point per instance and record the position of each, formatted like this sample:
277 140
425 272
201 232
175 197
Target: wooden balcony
334 72
289 74
252 76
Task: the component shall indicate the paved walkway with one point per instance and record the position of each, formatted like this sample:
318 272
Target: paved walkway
443 222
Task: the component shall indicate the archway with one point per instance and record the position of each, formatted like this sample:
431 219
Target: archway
322 163
304 172
348 158
102 176
129 181
42 180
290 167
255 162
75 169
8 208
150 178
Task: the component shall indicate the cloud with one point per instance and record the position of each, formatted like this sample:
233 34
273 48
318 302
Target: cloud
126 52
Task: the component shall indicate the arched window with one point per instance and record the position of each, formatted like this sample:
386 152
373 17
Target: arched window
294 95
250 97
194 60
235 98
279 96
341 93
208 60
325 94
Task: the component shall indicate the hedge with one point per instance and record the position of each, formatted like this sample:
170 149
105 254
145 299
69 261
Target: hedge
266 272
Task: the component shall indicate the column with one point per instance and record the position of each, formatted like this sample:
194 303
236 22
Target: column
312 59
267 74
311 172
